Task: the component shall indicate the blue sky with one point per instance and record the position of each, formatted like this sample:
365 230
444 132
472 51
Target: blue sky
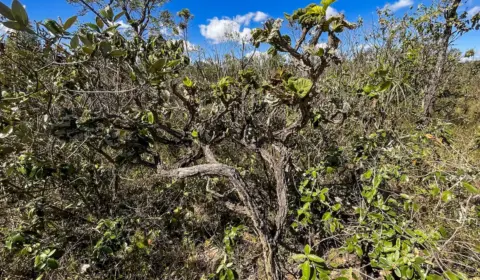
248 14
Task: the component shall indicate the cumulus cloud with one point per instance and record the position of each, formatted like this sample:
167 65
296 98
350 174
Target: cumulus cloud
473 11
122 25
220 30
190 47
331 12
257 54
321 46
246 19
400 4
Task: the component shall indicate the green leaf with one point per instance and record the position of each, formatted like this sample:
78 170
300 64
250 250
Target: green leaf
140 245
327 3
450 275
109 13
300 86
86 41
150 118
359 251
159 64
447 196
377 180
105 48
462 275
88 50
419 260
368 89
17 238
103 13
69 22
112 28
6 12
469 187
419 270
118 16
13 25
19 13
38 261
7 131
52 263
93 26
106 249
230 275
398 272
118 53
320 52
326 216
53 27
74 42
299 257
336 207
384 86
316 10
306 271
173 63
187 82
315 258
367 175
307 249
195 134
409 273
99 22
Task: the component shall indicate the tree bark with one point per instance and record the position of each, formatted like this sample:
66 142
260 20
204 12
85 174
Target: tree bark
269 247
433 87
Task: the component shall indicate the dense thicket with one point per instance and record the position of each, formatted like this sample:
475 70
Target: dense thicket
125 155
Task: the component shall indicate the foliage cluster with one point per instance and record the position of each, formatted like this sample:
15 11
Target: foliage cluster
124 157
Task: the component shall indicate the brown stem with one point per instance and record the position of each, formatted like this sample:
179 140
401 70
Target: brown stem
433 87
240 186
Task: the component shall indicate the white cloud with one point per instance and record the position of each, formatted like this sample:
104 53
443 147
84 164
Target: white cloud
257 54
469 59
331 12
190 47
122 25
473 11
222 30
260 16
321 46
247 18
400 4
231 29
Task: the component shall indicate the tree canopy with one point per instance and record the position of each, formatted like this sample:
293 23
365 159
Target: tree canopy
125 156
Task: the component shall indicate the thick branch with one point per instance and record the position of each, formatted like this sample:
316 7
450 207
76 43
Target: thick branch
221 170
432 90
278 164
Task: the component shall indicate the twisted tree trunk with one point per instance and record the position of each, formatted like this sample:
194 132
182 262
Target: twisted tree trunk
431 93
268 242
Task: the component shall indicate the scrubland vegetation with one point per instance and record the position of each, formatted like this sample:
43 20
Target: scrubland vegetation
125 155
